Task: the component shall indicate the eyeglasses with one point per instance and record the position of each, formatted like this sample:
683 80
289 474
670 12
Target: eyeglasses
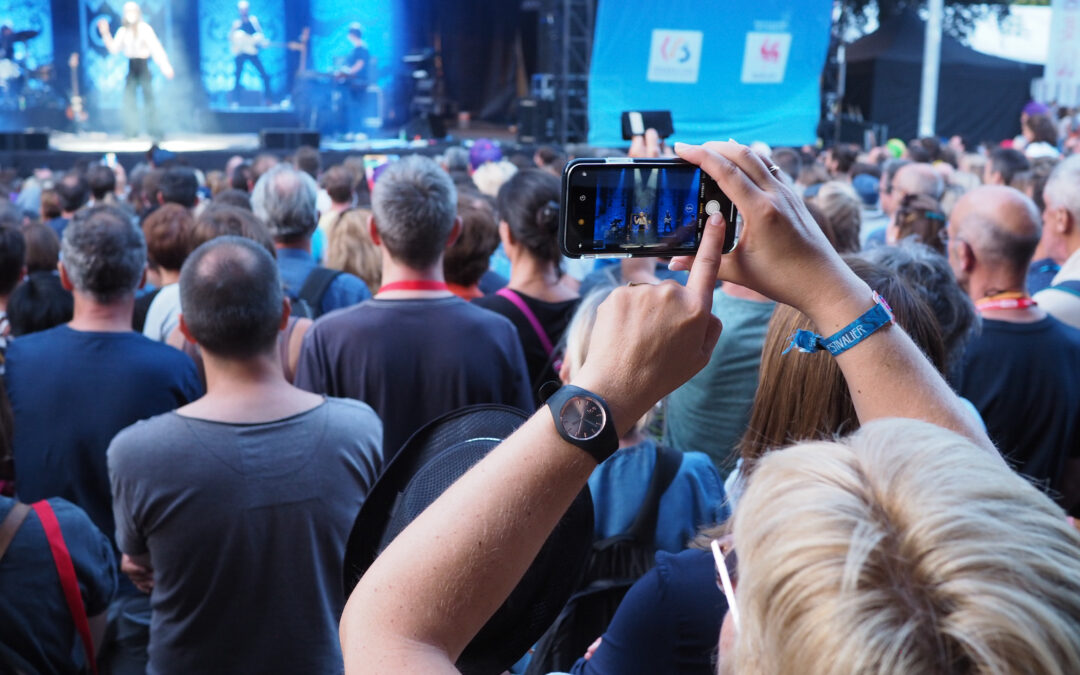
727 572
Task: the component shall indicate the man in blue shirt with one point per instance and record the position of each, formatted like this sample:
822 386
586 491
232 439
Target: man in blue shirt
75 386
284 199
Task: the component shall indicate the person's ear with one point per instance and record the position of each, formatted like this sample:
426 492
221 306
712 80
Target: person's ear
65 280
1065 222
160 199
455 232
967 256
286 312
373 231
505 236
184 330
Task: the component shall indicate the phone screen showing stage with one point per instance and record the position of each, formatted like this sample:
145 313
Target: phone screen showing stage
639 209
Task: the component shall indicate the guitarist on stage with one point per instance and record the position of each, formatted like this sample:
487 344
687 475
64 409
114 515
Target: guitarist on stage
249 24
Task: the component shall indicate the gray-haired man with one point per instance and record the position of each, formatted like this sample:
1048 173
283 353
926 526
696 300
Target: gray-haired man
416 351
75 386
284 199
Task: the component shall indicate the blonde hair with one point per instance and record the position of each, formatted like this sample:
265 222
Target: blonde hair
490 176
349 248
842 209
902 549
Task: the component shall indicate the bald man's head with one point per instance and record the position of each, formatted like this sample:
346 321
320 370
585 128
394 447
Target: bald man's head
1000 224
919 179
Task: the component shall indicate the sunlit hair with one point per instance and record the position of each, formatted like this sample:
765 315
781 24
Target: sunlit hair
842 209
804 396
902 549
349 248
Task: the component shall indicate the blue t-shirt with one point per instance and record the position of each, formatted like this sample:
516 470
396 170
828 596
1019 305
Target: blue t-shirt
37 633
669 621
71 392
344 291
1023 379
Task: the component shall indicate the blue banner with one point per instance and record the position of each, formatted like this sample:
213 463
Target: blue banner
748 71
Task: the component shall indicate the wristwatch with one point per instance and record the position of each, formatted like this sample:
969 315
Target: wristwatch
584 419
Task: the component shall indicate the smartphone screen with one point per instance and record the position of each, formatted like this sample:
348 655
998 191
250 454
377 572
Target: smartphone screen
648 208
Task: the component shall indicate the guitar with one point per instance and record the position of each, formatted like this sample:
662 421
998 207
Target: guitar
75 110
252 43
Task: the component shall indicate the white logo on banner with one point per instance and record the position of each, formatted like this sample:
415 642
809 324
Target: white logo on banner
765 59
675 56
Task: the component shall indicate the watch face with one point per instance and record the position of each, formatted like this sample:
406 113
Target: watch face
582 417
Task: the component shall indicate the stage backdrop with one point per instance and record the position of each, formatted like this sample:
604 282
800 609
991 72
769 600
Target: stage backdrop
31 15
216 60
748 71
108 72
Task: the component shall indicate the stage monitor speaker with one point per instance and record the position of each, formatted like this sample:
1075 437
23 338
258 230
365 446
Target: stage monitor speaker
288 139
20 141
426 125
536 121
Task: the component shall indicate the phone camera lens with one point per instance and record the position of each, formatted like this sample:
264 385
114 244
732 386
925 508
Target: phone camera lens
581 198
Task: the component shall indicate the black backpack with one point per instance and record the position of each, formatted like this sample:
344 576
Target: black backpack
307 302
614 565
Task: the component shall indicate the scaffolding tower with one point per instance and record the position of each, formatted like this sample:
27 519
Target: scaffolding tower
566 34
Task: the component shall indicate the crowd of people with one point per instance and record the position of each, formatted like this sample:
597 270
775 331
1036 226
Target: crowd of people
874 399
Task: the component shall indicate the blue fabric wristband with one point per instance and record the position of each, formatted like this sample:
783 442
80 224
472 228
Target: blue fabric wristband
850 335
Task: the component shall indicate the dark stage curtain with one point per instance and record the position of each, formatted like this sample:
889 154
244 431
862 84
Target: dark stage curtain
480 45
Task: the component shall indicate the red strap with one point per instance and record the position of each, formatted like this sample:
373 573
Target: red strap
68 581
513 297
417 285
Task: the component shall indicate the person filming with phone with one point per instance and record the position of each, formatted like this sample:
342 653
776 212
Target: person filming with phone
887 550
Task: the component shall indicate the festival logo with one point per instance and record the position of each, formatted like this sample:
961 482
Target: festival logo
765 58
675 56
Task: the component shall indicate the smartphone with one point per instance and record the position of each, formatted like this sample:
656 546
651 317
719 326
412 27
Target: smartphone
634 123
109 160
625 208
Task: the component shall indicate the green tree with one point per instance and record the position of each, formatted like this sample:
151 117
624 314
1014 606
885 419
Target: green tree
960 15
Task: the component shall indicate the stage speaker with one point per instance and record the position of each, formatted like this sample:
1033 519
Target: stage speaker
426 125
288 139
18 141
536 121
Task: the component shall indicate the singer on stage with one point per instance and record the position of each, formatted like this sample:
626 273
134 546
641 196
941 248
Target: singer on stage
139 43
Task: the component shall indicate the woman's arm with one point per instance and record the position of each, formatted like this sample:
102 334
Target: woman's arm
112 44
887 374
157 52
443 577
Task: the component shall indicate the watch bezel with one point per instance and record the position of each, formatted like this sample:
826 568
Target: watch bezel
596 403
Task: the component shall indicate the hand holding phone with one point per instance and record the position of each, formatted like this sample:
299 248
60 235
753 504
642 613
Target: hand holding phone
623 208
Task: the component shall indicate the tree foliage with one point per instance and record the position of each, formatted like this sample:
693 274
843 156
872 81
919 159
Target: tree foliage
960 15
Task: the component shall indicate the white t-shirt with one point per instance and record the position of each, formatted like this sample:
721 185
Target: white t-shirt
164 313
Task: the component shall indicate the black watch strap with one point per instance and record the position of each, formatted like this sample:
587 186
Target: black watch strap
596 433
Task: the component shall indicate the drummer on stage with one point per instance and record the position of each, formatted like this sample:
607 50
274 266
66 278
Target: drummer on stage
139 43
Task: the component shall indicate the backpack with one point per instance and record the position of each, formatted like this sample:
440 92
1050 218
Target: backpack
307 302
614 565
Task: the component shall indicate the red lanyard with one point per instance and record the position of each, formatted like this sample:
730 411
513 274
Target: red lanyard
418 285
1006 301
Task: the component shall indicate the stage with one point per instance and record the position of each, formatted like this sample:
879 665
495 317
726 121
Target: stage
209 151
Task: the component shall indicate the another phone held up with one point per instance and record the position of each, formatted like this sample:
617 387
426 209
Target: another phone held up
629 208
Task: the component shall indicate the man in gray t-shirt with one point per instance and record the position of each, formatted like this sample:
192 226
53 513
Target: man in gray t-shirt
234 511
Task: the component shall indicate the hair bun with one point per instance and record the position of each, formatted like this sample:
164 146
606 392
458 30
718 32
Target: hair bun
547 218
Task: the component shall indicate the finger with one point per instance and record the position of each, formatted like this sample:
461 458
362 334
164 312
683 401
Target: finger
707 260
728 175
745 158
637 147
652 143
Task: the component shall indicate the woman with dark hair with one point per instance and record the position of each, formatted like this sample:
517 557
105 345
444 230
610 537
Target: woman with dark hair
1041 135
536 300
919 216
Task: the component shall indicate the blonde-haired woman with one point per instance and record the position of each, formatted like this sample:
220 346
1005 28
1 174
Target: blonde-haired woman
349 248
